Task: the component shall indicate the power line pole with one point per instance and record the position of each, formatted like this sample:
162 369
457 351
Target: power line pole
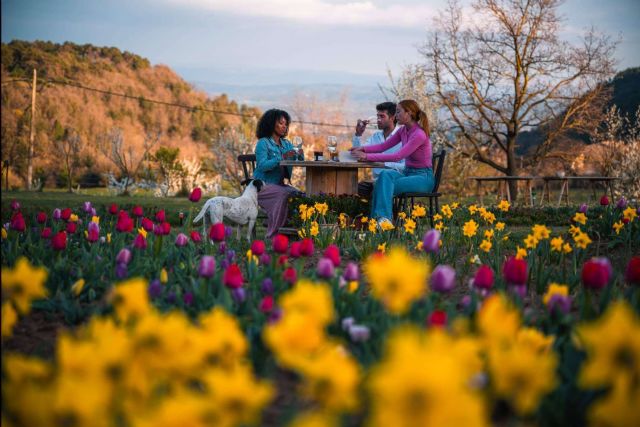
31 132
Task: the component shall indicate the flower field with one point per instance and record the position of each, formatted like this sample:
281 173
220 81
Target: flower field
473 322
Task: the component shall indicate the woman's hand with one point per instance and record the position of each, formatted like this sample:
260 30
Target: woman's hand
360 155
355 149
291 154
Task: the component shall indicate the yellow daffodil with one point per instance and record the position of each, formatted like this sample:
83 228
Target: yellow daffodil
541 232
504 206
488 234
629 213
397 279
470 228
473 209
409 226
530 242
556 244
402 215
4 233
486 245
580 218
322 208
73 218
582 240
108 237
439 226
418 211
95 219
521 253
437 217
500 226
314 230
419 245
446 211
143 232
164 276
455 205
382 247
566 248
9 319
77 287
387 225
23 283
342 220
573 230
618 226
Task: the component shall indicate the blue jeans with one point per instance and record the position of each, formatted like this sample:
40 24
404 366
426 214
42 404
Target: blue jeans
391 183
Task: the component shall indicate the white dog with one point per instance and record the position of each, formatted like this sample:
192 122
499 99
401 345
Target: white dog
241 210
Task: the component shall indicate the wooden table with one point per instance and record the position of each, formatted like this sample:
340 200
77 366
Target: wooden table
503 185
564 188
325 176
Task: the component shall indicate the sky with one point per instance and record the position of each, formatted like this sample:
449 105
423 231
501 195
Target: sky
270 42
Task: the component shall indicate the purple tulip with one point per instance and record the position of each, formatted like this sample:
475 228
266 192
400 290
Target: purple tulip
57 214
155 288
275 315
431 241
93 212
443 279
351 272
265 259
171 297
181 240
347 323
15 205
121 270
207 266
325 268
239 295
359 333
465 301
86 206
228 231
231 255
267 286
559 302
583 208
187 298
124 256
222 248
224 264
520 290
93 227
622 203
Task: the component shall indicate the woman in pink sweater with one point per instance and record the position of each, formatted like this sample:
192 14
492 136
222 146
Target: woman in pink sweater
416 150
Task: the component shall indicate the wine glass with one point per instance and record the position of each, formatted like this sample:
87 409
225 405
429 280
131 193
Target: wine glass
297 143
332 146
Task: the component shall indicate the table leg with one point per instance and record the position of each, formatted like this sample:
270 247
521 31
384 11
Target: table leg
530 193
561 192
566 195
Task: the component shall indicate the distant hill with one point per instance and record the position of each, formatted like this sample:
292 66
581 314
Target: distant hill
626 96
60 107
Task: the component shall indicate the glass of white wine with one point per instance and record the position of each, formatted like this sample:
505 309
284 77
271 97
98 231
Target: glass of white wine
297 146
332 146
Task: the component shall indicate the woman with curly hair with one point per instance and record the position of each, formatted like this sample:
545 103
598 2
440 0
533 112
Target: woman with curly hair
273 147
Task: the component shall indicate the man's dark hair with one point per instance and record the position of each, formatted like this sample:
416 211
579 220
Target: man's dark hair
267 123
389 107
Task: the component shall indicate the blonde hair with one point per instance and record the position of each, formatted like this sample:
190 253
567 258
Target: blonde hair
417 115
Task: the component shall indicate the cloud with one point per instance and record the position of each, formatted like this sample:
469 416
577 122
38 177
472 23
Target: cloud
323 12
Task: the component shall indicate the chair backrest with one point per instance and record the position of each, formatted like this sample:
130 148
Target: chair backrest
437 161
248 162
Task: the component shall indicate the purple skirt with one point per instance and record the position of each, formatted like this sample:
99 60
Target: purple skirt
274 200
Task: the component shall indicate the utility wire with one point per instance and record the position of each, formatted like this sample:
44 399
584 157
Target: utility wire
169 104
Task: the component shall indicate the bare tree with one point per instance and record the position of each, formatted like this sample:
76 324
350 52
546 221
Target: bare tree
231 142
509 72
124 157
68 148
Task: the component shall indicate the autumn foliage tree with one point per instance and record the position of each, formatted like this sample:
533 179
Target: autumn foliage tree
504 69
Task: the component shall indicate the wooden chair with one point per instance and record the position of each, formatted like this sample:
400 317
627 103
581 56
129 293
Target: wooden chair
400 200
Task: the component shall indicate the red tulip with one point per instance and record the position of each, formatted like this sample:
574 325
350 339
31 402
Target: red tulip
294 250
137 211
162 229
483 278
46 233
66 214
604 200
233 277
140 242
161 216
280 243
306 247
596 273
17 222
71 227
93 234
113 209
195 195
196 237
257 247
266 305
124 223
41 218
147 224
216 232
437 319
333 253
515 271
282 260
290 276
633 271
59 241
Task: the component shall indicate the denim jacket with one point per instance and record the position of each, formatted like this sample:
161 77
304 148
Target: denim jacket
268 157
